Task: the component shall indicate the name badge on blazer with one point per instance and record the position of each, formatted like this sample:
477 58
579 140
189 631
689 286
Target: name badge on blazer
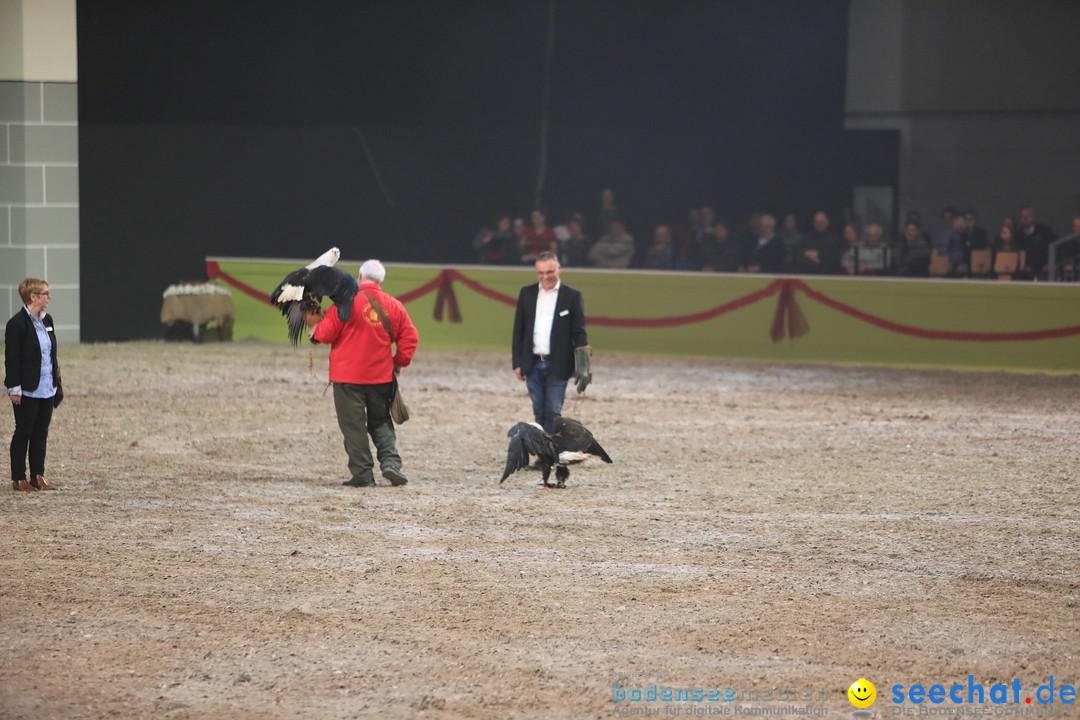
564 313
49 329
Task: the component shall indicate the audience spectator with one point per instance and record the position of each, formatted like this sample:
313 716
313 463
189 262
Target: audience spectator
1006 239
1034 239
1005 242
768 254
873 256
913 252
659 255
614 250
974 236
1067 255
721 253
575 251
609 212
688 254
789 233
820 250
537 238
747 238
498 246
849 241
948 242
518 228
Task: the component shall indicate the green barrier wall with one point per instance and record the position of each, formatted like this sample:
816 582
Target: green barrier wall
1007 310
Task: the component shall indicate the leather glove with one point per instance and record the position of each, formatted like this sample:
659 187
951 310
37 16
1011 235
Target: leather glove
582 369
313 316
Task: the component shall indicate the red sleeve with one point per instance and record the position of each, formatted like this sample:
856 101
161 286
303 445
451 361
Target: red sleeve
407 337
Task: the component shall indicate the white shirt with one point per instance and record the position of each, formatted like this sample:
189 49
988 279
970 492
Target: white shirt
545 318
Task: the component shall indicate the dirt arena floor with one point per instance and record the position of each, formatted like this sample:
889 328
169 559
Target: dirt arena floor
768 531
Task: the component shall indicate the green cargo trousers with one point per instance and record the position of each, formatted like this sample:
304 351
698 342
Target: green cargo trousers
364 410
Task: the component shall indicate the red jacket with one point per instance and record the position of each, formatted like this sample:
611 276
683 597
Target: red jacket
360 351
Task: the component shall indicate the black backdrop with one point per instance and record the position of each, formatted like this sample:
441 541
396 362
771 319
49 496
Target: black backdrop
397 129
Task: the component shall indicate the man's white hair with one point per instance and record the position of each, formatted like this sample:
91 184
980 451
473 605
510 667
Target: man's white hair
373 270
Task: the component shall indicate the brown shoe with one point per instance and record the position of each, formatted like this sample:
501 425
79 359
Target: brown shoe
22 485
39 483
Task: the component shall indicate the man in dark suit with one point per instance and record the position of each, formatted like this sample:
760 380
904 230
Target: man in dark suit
550 342
769 252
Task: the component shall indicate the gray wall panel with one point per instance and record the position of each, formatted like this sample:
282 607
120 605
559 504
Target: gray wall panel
61 103
43 226
61 184
20 185
44 144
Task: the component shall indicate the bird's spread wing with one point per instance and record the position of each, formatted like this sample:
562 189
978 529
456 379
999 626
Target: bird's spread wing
338 285
527 439
307 286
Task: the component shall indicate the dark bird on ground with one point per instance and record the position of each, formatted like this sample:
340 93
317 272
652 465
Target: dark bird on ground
304 289
571 443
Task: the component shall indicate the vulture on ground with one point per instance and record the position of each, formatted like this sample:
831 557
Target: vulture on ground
571 443
304 288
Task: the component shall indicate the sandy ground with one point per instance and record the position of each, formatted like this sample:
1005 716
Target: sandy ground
764 529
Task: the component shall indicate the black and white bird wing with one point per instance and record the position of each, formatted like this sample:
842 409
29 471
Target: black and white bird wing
527 439
338 285
575 443
307 286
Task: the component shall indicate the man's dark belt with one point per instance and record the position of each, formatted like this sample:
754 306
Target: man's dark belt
542 358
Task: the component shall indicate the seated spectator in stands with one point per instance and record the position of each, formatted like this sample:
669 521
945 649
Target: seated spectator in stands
820 251
1034 239
721 253
537 238
913 253
747 235
871 255
615 250
948 242
1005 242
1006 239
575 251
499 246
768 254
480 242
849 241
1068 252
609 212
974 236
688 252
789 233
518 228
916 217
659 255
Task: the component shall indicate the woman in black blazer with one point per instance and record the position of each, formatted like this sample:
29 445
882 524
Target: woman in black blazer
32 379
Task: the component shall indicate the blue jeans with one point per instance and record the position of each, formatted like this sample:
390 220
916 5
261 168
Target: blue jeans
547 393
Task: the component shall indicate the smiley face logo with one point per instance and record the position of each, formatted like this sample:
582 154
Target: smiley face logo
862 693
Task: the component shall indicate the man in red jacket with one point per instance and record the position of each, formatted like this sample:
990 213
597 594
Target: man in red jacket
363 368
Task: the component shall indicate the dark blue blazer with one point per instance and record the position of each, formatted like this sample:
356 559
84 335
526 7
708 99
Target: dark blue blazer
22 352
567 329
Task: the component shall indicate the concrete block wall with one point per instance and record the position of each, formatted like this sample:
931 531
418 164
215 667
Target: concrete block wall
39 196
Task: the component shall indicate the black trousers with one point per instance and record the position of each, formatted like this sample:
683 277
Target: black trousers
32 418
